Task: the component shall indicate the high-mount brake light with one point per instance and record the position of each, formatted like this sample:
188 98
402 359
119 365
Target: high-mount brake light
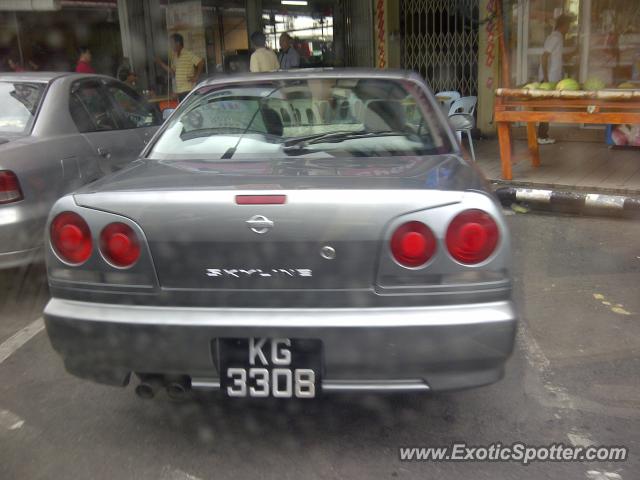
261 199
71 238
119 245
472 236
413 244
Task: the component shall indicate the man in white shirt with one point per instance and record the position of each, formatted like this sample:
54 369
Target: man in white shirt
551 66
263 59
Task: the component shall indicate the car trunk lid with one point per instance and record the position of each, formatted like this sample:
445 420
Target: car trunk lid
325 234
318 239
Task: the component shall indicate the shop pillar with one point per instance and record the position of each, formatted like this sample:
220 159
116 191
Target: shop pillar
488 63
380 29
139 20
254 17
386 30
394 41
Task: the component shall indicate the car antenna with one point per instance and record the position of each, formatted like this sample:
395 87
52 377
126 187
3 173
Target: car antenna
232 150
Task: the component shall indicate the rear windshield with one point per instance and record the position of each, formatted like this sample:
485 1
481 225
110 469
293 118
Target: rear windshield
20 101
324 117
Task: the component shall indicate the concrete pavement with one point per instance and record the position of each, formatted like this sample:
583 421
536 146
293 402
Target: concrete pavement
573 379
573 164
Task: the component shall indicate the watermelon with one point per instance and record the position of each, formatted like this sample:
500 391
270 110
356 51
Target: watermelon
532 86
568 84
547 86
594 83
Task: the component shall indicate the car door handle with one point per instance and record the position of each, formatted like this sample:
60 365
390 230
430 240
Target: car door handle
103 152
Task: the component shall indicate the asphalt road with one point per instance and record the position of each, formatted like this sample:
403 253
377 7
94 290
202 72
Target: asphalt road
573 379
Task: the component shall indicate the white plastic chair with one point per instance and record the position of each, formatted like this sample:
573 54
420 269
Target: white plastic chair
461 118
452 96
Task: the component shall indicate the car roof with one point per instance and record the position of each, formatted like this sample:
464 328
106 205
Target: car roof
45 77
309 73
31 76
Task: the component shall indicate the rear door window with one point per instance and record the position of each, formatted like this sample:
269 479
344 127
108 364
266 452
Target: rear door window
134 110
91 108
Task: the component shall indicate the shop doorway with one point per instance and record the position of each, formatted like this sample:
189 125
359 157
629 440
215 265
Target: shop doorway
440 41
310 27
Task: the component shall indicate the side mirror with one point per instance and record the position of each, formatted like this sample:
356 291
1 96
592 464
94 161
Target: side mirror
166 113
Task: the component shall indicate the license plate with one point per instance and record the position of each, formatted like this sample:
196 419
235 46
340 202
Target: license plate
270 367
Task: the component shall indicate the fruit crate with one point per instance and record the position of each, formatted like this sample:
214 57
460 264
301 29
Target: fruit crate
623 135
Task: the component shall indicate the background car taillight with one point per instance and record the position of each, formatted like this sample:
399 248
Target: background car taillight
119 244
472 236
9 187
71 238
413 244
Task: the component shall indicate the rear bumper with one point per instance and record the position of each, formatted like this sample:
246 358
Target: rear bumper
21 257
374 349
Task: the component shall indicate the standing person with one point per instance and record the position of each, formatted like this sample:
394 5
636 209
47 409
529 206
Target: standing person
84 61
551 66
184 64
14 65
263 59
289 56
129 77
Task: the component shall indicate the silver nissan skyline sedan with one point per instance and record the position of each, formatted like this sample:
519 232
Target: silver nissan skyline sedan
59 131
287 235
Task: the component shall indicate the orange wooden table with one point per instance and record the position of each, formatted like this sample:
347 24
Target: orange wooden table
532 106
164 102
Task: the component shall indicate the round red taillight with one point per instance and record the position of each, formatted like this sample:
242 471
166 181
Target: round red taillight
119 244
472 236
413 244
71 238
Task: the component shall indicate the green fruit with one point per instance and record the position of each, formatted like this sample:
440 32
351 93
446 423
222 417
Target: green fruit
532 86
626 85
594 83
568 84
546 86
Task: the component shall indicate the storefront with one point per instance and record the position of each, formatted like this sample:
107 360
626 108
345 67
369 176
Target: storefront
601 50
603 43
130 35
219 31
310 29
46 35
212 30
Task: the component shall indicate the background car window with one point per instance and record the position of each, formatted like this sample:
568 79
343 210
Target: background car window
19 102
90 108
135 111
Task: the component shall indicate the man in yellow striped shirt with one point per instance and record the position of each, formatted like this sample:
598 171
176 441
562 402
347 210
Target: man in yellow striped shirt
185 65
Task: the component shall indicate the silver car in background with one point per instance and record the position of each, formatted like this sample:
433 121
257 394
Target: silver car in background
286 235
59 131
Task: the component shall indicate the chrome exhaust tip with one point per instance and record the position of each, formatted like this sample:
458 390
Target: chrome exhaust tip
148 387
178 389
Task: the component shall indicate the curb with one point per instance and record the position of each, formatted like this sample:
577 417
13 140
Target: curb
589 203
625 192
